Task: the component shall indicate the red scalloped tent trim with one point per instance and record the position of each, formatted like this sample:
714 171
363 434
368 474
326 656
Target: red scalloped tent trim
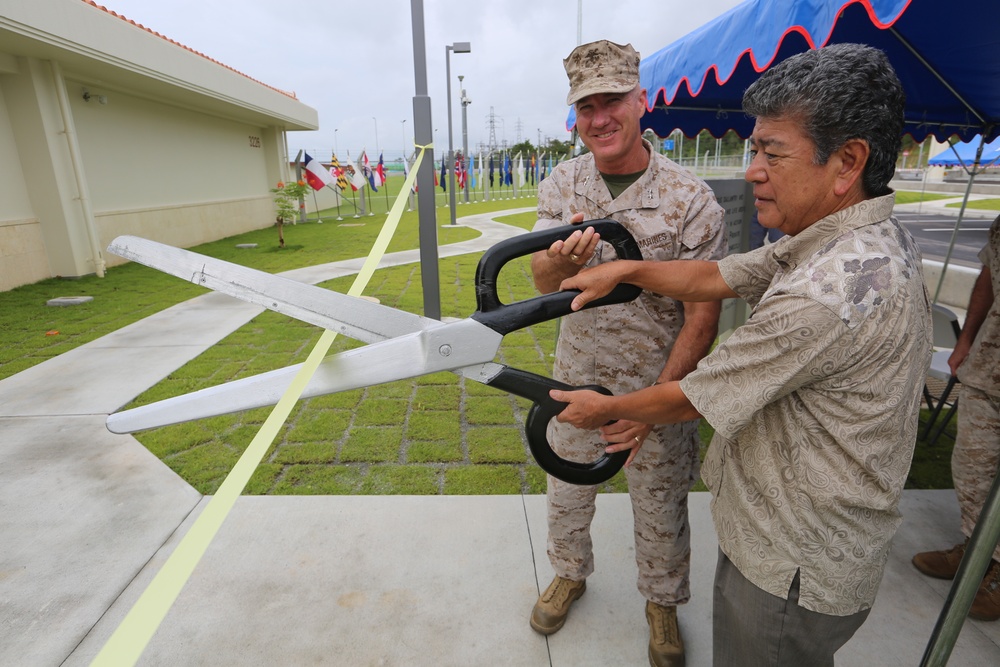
748 52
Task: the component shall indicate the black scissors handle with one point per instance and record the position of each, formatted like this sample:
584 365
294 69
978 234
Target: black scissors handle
504 318
536 389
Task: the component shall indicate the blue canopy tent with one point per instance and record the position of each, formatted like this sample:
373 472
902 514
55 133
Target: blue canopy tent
952 86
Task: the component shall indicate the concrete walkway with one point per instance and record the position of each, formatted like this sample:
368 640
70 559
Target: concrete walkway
88 517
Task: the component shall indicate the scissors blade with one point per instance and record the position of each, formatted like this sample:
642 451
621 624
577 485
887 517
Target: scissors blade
447 346
352 316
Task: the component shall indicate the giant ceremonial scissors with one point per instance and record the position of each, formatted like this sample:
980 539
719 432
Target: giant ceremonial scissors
401 345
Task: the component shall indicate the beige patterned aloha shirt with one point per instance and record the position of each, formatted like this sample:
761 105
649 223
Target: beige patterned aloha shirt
814 401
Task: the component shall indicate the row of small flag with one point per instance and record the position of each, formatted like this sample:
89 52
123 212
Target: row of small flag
318 176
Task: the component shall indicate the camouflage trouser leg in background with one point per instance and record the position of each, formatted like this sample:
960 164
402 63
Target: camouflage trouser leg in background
659 480
976 457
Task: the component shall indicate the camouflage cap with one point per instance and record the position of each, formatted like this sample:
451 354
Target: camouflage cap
601 67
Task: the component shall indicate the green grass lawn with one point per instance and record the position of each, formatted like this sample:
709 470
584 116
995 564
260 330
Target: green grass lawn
437 434
911 197
983 204
914 197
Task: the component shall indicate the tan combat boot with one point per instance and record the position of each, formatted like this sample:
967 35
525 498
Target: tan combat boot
986 605
553 605
940 564
666 648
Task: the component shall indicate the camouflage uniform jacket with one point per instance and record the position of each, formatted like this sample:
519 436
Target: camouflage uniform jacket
673 215
814 401
981 368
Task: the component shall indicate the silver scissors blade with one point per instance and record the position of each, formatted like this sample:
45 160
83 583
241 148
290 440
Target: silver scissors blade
448 346
355 317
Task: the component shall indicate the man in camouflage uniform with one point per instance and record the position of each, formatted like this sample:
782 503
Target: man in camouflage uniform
672 215
976 456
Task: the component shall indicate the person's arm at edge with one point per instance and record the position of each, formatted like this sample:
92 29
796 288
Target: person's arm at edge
979 305
687 280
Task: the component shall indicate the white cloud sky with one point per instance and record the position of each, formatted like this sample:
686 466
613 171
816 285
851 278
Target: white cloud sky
353 61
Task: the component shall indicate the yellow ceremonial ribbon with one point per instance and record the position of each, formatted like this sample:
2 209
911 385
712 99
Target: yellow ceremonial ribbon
129 640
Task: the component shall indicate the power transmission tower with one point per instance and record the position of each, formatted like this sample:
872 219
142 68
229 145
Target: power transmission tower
491 122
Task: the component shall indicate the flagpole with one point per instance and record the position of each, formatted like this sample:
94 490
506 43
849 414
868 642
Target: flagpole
336 191
319 220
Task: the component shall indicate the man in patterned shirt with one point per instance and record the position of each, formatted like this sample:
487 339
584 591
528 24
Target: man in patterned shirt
976 456
815 398
672 215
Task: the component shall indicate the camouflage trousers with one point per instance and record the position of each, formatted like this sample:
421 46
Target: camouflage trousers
659 480
976 456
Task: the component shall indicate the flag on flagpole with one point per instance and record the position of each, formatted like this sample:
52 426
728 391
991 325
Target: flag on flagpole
380 170
491 170
366 169
508 178
338 171
541 167
520 171
444 176
460 172
316 174
478 178
357 180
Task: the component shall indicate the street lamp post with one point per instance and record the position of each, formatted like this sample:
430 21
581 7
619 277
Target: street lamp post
403 125
405 168
463 98
457 47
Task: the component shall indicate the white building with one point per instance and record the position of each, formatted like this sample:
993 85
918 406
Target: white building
108 128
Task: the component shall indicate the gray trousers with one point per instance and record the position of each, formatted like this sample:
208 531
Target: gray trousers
752 628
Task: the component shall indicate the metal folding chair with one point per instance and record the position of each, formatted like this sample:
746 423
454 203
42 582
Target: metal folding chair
946 332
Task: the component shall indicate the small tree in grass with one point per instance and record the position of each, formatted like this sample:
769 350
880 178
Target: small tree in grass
286 201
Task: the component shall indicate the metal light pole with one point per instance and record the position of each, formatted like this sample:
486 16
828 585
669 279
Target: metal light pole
457 47
465 134
409 201
423 136
403 124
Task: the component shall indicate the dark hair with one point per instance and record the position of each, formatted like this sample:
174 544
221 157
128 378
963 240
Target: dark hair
839 92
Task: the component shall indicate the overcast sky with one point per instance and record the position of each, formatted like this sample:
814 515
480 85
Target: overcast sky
353 61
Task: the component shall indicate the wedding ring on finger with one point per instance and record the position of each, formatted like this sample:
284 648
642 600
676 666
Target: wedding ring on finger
574 258
637 441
